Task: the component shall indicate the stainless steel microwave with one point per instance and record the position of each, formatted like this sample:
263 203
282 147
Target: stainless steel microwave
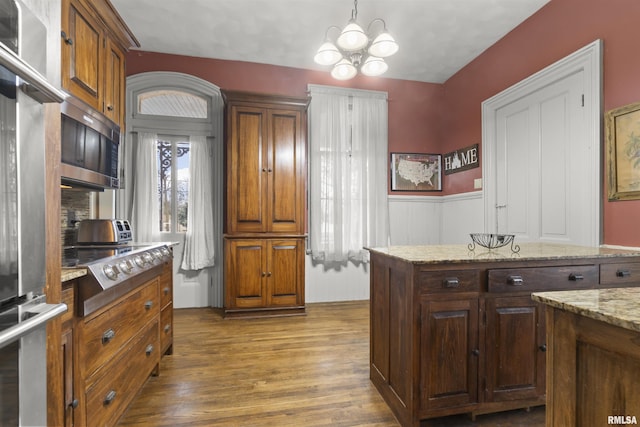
90 146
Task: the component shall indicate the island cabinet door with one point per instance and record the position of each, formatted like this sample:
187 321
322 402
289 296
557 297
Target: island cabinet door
449 354
515 349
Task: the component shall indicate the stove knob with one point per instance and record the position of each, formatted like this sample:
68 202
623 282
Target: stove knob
157 253
165 251
110 271
139 261
126 266
147 257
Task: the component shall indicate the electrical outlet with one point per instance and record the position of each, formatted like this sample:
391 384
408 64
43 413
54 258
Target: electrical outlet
477 183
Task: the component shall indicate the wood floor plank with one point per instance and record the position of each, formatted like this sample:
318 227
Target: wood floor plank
302 371
308 370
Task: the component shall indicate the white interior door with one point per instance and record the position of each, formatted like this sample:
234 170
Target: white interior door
541 155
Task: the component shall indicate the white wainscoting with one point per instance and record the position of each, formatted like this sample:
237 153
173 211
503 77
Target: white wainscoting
414 220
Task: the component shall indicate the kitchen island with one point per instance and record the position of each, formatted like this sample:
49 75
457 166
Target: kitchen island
593 340
455 330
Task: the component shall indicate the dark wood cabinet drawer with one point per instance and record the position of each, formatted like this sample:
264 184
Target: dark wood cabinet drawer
449 281
112 393
620 273
103 335
543 278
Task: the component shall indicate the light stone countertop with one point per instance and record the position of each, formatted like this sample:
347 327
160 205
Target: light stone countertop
618 307
72 273
432 254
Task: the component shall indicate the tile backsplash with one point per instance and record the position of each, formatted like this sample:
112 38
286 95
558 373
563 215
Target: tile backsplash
75 206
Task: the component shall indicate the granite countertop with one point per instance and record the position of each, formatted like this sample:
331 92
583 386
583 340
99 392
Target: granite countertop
72 273
428 254
618 307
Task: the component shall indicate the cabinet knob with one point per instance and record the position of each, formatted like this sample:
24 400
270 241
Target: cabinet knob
166 291
167 328
543 348
515 280
108 336
264 169
148 305
451 282
109 107
149 350
109 397
623 273
475 352
575 277
268 274
74 403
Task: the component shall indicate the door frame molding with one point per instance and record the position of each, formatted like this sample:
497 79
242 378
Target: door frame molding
587 59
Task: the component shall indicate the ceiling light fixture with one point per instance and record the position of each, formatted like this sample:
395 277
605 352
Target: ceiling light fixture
355 50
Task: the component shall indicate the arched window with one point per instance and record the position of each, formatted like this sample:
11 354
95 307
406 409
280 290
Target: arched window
172 103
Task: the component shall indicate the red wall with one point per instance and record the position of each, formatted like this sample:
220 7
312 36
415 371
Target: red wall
557 30
420 116
414 113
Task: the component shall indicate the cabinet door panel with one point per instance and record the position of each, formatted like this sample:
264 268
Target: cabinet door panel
83 50
245 260
114 84
284 166
515 349
449 340
247 173
285 259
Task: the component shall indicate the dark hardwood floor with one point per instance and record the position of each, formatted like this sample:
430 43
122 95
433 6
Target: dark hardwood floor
306 371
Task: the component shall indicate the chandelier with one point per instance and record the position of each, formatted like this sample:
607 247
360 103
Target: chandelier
355 50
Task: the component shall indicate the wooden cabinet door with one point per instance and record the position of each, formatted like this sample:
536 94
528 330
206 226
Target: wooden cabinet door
114 87
245 268
449 353
515 359
82 53
285 271
247 172
286 171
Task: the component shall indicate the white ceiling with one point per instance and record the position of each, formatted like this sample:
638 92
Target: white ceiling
436 37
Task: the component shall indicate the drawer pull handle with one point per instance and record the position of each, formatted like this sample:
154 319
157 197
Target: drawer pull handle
109 397
166 291
515 280
167 328
149 350
575 277
623 273
108 336
148 305
451 282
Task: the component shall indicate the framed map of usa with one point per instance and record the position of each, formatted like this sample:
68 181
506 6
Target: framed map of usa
416 172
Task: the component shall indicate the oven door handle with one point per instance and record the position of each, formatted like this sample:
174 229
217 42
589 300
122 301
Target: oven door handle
37 87
42 313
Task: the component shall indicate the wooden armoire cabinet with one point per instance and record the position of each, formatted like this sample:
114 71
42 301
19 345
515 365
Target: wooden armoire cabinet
265 204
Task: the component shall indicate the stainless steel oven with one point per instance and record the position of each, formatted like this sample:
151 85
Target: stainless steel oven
23 311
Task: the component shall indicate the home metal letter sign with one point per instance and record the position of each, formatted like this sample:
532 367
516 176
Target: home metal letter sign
461 160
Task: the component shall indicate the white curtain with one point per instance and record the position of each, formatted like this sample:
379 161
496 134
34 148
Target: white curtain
199 243
348 173
145 217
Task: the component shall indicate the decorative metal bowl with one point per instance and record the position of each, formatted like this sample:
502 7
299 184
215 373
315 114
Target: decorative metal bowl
492 241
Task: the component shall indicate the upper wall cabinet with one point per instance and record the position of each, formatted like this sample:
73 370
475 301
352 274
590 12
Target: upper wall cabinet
94 42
